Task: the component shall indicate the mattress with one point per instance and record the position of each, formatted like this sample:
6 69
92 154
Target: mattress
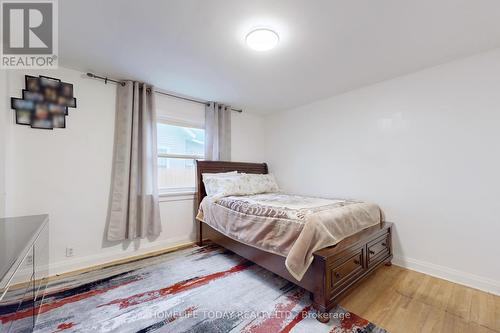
288 225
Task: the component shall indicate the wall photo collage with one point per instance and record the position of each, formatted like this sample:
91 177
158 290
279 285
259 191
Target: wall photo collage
44 103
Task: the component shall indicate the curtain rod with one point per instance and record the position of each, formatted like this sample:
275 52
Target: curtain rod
106 80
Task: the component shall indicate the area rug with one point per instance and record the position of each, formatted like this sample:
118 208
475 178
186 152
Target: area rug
204 289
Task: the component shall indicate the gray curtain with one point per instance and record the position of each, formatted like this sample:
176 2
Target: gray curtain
217 132
134 209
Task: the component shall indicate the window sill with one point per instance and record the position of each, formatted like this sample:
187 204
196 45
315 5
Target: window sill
177 196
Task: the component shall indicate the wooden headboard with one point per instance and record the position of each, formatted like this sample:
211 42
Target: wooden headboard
221 166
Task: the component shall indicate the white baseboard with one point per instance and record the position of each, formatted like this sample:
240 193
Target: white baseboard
77 263
450 274
446 273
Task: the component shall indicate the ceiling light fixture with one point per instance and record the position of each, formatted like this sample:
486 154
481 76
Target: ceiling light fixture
262 39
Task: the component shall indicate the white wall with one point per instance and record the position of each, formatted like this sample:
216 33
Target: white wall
247 137
425 147
66 173
4 104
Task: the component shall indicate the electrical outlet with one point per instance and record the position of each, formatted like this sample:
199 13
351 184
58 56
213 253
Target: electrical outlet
70 252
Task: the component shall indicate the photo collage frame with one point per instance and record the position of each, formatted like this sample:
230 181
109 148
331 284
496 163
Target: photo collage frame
44 103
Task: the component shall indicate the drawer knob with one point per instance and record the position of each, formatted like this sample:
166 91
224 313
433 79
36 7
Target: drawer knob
384 244
372 252
356 261
337 275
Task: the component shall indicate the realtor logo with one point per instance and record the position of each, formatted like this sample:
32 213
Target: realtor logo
29 34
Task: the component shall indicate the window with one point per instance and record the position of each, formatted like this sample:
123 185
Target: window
179 145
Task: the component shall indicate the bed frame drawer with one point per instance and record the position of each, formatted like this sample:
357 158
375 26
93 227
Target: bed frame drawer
378 249
348 267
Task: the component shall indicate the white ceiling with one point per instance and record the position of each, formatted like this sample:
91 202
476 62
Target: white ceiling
326 47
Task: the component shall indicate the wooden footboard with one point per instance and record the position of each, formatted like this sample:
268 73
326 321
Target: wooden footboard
349 262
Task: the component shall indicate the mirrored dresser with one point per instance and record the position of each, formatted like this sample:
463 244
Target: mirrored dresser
24 269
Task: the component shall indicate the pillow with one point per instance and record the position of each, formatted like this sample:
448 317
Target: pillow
223 186
220 174
260 183
243 184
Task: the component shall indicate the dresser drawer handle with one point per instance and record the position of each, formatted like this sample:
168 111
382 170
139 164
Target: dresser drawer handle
384 244
372 252
337 275
356 261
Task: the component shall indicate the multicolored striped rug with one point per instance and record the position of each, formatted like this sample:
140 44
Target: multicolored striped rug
204 289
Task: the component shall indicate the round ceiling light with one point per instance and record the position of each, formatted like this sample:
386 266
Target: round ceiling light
262 39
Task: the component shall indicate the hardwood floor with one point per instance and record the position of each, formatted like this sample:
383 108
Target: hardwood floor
401 300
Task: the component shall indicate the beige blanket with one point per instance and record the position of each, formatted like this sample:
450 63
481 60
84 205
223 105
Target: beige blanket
288 225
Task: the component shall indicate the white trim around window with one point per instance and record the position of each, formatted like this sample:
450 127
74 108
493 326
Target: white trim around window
180 156
177 194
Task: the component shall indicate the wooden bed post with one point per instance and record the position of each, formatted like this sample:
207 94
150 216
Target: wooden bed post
323 317
322 313
199 241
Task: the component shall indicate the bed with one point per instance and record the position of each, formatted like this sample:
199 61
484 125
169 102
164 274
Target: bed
328 272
